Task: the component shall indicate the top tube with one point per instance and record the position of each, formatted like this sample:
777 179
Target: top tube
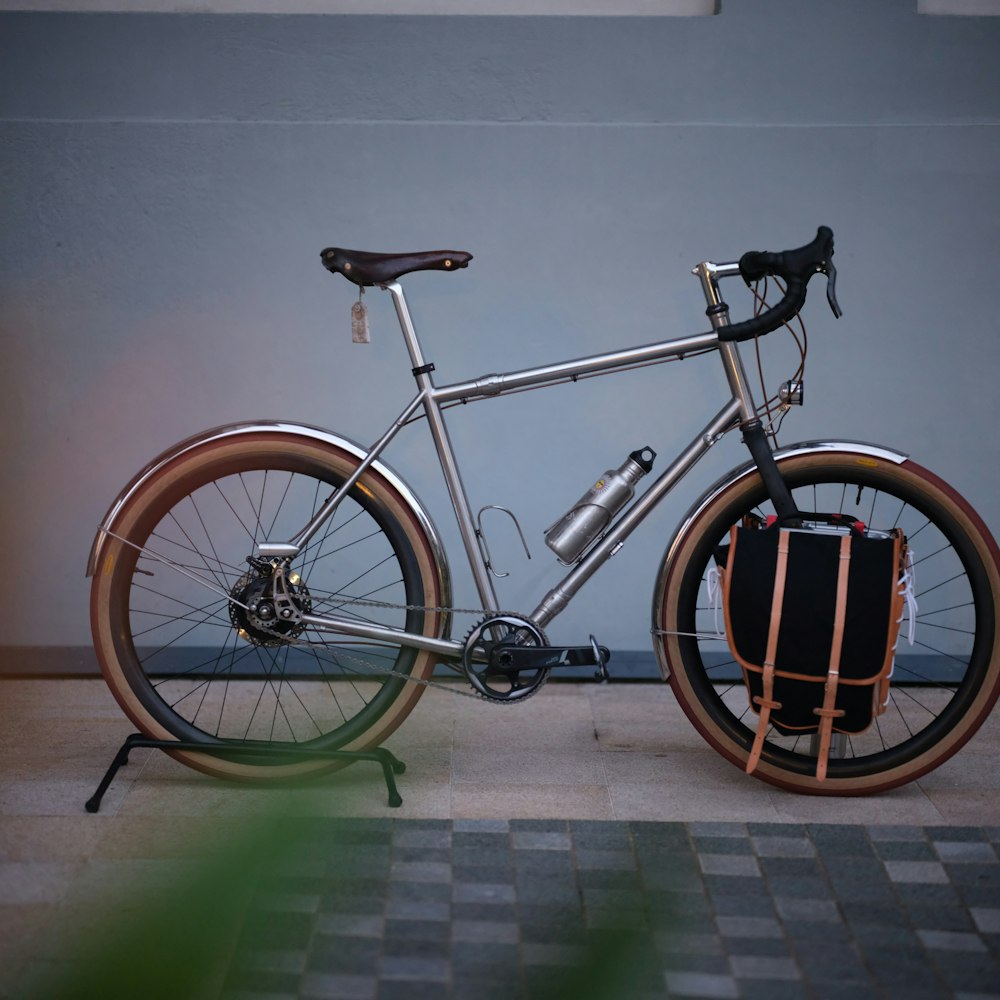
495 384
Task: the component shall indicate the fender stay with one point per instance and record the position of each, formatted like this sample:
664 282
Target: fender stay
317 434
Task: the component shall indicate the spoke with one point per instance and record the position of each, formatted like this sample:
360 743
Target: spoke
371 569
336 602
253 714
939 652
176 600
899 692
941 611
724 664
175 564
313 552
938 586
354 686
236 514
281 503
255 507
277 696
208 537
377 533
901 717
923 559
207 620
269 684
173 642
878 729
871 512
216 659
910 535
947 628
899 515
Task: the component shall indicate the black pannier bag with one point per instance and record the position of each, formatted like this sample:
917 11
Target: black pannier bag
812 616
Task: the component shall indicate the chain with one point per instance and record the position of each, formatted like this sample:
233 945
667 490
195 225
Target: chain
366 603
370 670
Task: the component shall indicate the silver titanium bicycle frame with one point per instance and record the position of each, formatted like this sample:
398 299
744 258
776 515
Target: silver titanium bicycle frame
738 411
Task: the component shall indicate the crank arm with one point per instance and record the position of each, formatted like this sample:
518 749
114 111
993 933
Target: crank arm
506 658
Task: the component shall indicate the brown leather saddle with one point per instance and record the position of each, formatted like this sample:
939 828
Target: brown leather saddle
368 269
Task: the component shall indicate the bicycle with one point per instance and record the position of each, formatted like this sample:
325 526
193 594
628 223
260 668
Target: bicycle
272 584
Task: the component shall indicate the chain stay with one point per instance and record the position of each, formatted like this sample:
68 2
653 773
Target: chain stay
369 669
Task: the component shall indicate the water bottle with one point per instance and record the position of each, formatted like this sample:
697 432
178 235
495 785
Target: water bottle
592 513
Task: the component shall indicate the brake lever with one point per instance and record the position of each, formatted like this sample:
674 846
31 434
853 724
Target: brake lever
831 288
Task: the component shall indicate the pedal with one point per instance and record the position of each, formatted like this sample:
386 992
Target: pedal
602 654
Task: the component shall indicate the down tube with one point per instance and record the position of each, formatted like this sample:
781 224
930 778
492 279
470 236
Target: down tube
559 597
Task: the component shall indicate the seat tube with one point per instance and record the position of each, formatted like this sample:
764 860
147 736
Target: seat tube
445 452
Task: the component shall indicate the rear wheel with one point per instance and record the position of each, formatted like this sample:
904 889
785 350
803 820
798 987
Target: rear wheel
943 686
182 625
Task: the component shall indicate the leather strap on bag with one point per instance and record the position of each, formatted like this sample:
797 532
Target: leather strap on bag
765 702
829 712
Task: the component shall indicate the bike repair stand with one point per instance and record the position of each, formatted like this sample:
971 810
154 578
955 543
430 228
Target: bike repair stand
379 755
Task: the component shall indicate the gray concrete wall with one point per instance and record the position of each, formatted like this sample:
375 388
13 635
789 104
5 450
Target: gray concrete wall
168 181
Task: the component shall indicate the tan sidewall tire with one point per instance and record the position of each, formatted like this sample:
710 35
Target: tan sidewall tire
339 462
667 595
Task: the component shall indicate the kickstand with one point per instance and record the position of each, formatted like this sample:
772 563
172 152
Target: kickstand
379 755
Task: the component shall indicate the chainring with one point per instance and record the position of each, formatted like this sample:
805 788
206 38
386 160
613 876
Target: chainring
491 674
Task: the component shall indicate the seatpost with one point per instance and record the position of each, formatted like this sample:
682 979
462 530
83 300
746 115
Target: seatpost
409 330
754 436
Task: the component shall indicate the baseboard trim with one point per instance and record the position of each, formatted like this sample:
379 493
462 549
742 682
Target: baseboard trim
81 661
48 661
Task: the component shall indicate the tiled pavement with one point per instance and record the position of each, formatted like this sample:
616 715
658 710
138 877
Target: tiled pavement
664 873
485 908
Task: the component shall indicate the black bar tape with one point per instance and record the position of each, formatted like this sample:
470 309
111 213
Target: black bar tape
795 267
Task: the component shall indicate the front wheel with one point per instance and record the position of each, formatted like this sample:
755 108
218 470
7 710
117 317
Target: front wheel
180 617
943 685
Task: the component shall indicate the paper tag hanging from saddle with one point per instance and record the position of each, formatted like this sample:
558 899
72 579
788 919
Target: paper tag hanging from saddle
812 617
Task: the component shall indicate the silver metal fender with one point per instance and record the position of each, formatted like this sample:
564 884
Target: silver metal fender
292 430
731 478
